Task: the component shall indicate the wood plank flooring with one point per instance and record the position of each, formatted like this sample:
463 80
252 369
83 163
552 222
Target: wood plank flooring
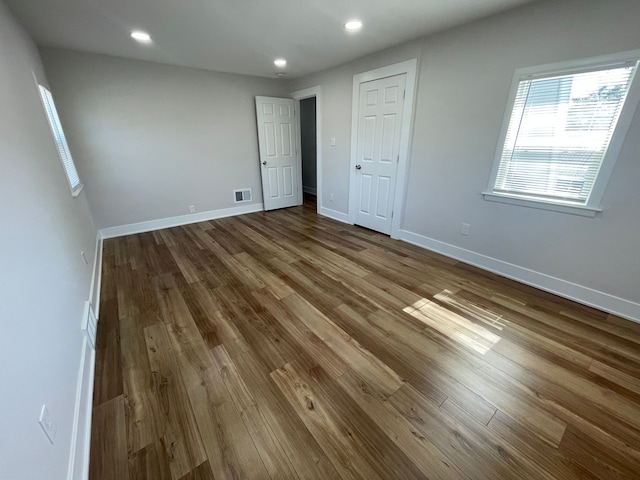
285 345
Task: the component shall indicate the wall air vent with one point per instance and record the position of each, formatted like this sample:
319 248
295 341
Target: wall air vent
90 324
243 195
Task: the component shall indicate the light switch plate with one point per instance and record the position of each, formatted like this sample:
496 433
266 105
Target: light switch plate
48 424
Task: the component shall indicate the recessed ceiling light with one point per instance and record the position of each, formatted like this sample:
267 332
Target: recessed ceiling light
280 63
142 37
353 25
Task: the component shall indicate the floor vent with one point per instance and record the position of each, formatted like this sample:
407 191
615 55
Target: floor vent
90 325
243 195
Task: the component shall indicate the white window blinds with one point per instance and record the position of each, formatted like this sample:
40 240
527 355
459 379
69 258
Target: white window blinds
60 140
559 132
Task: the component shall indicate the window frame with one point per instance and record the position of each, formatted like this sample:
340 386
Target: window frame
592 207
75 191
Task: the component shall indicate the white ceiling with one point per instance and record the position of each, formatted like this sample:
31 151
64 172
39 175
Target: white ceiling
243 36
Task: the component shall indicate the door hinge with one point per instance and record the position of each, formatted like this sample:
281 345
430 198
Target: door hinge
391 213
404 95
398 159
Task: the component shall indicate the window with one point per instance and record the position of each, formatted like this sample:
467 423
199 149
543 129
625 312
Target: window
563 132
61 141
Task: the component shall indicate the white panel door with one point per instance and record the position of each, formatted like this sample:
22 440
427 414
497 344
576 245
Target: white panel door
378 147
281 178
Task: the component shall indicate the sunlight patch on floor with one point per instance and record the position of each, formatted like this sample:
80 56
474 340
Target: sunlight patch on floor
476 311
456 327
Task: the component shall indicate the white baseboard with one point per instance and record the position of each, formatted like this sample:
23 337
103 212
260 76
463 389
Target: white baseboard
572 291
152 225
310 190
81 433
335 215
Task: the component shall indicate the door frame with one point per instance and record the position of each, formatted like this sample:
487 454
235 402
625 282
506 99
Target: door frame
298 95
410 68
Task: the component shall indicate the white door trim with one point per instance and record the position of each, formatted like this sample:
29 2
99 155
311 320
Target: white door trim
301 95
410 68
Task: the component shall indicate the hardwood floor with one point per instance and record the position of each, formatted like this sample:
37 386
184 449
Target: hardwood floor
286 345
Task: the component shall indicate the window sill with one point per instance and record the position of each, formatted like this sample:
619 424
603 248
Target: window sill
77 190
554 207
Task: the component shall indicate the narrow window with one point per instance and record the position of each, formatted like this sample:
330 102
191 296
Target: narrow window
61 141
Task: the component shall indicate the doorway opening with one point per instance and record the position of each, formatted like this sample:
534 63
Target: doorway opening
308 149
309 133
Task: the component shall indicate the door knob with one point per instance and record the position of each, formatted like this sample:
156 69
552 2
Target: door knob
264 163
358 167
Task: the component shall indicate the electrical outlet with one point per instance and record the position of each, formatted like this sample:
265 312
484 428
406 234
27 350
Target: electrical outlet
192 209
465 229
84 259
331 197
48 424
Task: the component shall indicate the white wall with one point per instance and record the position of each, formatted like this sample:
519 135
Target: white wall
464 79
43 282
151 139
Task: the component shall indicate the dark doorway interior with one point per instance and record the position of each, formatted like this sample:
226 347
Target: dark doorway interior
308 147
